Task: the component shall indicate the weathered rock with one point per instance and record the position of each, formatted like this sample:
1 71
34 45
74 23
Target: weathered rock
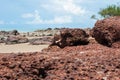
4 33
107 31
14 32
89 62
35 41
8 33
39 41
11 40
15 40
23 40
1 39
116 44
70 37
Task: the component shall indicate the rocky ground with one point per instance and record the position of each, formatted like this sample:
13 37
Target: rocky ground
80 57
88 62
14 37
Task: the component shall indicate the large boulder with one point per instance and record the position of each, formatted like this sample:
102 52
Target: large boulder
70 37
107 31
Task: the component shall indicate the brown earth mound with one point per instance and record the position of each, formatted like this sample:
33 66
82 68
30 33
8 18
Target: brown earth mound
88 62
70 37
107 31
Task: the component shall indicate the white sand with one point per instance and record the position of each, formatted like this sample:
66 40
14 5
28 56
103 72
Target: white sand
16 48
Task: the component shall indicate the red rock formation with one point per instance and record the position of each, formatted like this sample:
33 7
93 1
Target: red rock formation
71 37
88 62
107 31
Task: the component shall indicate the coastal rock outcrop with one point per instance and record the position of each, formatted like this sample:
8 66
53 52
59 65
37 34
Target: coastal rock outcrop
12 37
39 41
70 37
1 39
8 33
4 33
14 32
15 39
107 31
89 62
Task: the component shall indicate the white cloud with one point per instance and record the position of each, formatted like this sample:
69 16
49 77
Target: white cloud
74 9
62 10
56 20
27 15
60 20
2 22
66 6
37 19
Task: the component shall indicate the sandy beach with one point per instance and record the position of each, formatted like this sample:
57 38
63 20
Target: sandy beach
19 48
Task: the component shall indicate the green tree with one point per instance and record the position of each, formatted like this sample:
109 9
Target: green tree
94 17
111 10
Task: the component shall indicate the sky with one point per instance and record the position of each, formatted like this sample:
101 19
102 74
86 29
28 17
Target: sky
29 15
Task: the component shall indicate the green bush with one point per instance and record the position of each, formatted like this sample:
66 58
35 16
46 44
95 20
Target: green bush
112 10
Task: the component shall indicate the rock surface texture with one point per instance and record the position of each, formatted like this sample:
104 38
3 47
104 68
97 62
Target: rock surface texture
107 31
41 41
70 37
88 62
63 60
15 40
12 37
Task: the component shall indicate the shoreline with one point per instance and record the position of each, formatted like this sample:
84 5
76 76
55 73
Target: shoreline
21 48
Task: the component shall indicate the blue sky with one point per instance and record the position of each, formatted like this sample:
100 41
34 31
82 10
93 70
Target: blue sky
29 15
